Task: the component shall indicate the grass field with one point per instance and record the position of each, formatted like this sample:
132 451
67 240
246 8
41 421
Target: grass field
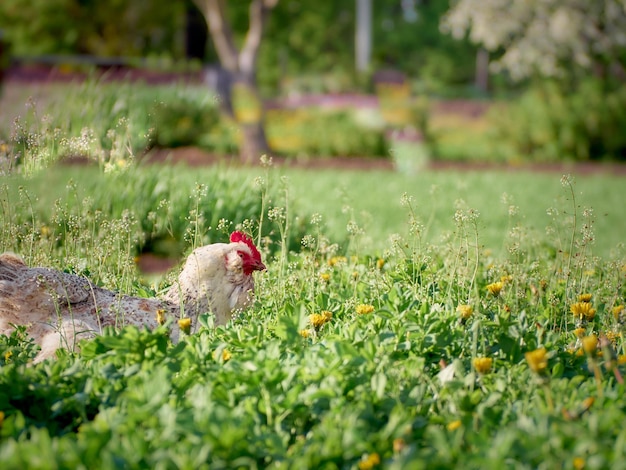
437 320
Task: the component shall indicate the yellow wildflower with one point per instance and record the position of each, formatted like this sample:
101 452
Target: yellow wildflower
454 425
495 287
7 356
465 311
579 332
337 260
537 360
583 310
578 463
617 312
590 344
612 336
318 319
185 325
355 274
506 278
380 262
1 418
482 364
305 333
369 461
364 309
325 277
226 355
588 403
585 297
45 231
160 316
621 359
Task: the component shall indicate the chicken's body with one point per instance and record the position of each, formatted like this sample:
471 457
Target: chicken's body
59 308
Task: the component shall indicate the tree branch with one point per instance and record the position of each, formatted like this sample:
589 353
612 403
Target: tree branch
249 51
214 12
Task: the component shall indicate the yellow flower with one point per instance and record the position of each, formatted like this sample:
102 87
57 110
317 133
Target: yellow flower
537 360
495 287
364 309
482 364
454 425
506 278
7 356
584 298
1 418
226 355
380 263
325 277
185 325
590 344
337 260
45 231
617 311
355 274
369 462
579 332
621 359
318 319
160 316
612 336
465 311
578 463
583 310
305 333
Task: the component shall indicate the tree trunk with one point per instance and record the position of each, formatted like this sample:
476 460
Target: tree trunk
247 107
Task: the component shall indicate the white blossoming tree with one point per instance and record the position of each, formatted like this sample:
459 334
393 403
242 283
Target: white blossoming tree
552 38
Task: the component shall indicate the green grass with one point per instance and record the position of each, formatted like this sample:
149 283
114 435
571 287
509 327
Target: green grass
396 268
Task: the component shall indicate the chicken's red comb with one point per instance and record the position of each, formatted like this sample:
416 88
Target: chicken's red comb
238 236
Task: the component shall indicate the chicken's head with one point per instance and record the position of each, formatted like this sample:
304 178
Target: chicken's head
249 253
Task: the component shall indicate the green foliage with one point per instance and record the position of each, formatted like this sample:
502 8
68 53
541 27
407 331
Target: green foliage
349 356
116 28
548 123
323 133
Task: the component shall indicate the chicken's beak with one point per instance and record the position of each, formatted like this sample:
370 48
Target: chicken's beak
259 266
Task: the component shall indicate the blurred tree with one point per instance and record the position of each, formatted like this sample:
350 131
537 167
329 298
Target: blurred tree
551 38
241 63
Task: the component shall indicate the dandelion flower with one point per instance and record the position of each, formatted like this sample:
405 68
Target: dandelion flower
325 277
369 462
590 344
465 311
185 325
495 287
537 360
578 463
583 310
319 319
617 312
364 309
305 333
380 262
454 425
482 364
337 260
579 332
226 355
506 278
7 356
584 297
621 359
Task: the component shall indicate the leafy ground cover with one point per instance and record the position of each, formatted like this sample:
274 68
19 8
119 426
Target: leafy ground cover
437 320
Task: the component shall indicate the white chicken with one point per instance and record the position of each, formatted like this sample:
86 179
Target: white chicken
59 308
